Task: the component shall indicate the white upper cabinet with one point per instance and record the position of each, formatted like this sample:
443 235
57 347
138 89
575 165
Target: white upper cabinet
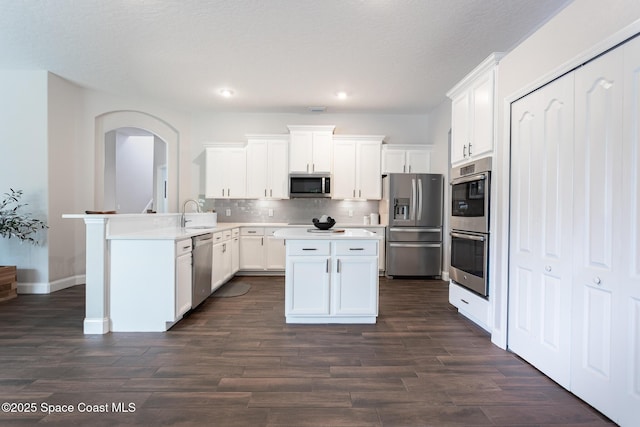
472 112
268 166
226 172
310 149
406 159
357 167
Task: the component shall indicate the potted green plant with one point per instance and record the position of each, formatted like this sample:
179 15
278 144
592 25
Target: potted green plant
14 223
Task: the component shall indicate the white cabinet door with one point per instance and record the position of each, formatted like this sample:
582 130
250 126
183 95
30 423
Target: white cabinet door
369 172
278 169
310 152
600 344
355 286
235 254
418 161
357 170
300 152
393 161
267 169
460 113
541 218
219 270
226 173
472 114
344 170
322 154
252 255
275 253
482 123
307 284
257 169
183 284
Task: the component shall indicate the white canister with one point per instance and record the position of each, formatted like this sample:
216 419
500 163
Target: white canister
366 220
374 219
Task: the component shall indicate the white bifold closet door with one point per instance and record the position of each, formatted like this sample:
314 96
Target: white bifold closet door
574 265
541 218
606 298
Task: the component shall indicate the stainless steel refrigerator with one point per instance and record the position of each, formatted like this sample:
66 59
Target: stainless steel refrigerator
412 205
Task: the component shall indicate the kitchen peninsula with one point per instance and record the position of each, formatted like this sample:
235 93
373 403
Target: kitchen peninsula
331 276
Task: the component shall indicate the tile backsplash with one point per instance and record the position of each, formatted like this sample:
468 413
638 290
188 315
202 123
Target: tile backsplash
291 211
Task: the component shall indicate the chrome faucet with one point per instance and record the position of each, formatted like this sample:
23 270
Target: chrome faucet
183 219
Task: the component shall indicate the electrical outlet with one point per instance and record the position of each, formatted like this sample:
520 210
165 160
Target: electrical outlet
228 212
350 213
270 212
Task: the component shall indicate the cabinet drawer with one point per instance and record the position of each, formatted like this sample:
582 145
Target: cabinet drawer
235 232
183 247
470 305
218 237
311 247
252 231
226 234
357 247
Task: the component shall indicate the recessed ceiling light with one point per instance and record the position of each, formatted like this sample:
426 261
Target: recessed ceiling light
227 93
341 95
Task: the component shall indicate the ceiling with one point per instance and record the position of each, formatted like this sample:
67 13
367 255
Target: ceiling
389 56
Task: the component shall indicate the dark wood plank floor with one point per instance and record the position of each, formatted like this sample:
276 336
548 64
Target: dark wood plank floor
234 362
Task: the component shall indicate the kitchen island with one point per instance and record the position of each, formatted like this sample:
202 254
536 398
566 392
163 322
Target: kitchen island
332 276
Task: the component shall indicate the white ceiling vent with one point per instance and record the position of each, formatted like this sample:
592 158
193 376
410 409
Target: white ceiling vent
317 109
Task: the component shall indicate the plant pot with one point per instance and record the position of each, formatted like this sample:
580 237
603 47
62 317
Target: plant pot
8 282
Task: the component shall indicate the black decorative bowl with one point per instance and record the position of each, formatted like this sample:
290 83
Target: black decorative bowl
324 225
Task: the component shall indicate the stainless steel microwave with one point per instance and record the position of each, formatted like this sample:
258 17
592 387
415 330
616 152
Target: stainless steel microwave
309 185
470 193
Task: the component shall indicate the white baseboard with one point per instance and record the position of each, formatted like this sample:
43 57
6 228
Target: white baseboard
49 287
96 326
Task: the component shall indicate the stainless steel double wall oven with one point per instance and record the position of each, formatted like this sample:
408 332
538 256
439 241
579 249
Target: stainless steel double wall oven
470 205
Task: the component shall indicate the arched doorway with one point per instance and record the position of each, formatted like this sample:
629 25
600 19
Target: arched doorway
114 129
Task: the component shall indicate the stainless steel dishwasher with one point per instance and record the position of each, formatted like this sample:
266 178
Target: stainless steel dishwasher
202 264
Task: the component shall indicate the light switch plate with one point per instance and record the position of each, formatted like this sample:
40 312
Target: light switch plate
270 212
228 212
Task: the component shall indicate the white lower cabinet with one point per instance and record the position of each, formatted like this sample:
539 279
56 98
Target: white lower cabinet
222 259
183 277
235 250
260 251
150 284
331 282
470 305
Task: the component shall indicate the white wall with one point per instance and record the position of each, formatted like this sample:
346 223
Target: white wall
23 150
65 256
134 172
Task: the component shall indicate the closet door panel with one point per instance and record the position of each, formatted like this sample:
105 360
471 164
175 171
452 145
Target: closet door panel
630 251
598 332
540 255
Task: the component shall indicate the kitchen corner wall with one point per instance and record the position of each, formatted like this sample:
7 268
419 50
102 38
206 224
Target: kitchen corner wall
292 211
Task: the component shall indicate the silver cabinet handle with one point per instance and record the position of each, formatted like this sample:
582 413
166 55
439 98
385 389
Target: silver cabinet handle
184 248
309 249
223 192
469 148
354 192
251 232
359 193
313 167
464 150
307 167
356 249
466 302
338 267
262 242
327 270
265 192
404 168
271 193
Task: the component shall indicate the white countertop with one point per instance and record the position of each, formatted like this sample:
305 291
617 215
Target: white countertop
303 233
164 232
